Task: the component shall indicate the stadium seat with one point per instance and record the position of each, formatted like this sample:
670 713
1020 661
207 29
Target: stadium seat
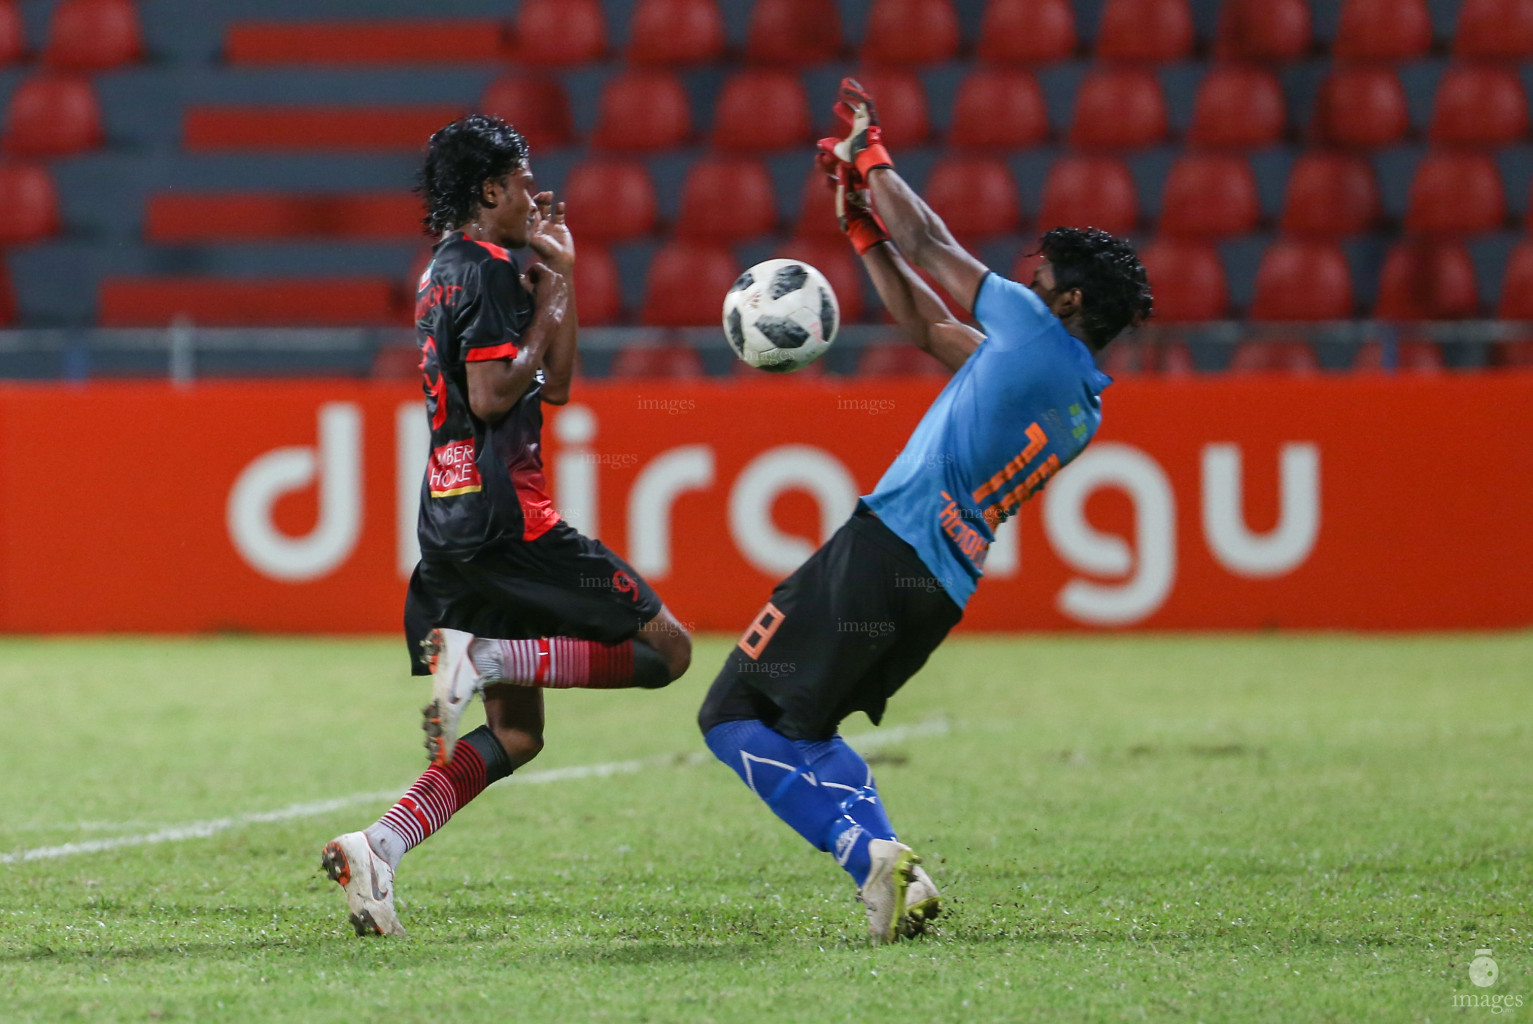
1131 357
834 258
7 297
1238 107
676 32
1494 30
1427 280
180 216
793 33
596 285
672 359
902 108
1119 108
975 196
353 128
1383 30
1413 356
52 116
610 199
1209 195
1456 193
762 109
726 198
1273 357
91 35
686 283
13 34
1300 279
1513 354
817 208
1517 284
560 32
30 202
1027 32
1361 106
1187 277
910 32
999 107
1479 106
537 107
1330 195
897 357
1145 30
1094 191
1263 30
643 110
353 41
249 302
396 361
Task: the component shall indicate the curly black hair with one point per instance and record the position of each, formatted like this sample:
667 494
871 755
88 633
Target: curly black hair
460 159
1115 290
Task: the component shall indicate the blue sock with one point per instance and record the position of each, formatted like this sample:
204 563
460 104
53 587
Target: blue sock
842 770
775 770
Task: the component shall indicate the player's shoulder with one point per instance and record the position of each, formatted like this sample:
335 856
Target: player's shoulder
459 255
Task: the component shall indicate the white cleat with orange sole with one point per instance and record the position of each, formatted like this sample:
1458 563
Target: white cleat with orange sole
454 683
886 889
368 881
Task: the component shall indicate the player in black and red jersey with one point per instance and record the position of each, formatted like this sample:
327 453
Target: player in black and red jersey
508 598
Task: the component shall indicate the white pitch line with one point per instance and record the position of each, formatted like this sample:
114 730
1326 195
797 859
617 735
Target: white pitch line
316 808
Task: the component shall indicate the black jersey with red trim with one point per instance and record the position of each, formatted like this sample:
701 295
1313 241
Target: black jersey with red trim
484 482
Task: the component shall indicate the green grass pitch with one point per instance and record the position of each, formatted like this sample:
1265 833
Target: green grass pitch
1225 828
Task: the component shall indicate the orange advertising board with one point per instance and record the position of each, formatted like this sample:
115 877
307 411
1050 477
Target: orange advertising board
1225 503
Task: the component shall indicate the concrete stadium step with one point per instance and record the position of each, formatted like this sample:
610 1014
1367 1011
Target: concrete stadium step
415 41
252 302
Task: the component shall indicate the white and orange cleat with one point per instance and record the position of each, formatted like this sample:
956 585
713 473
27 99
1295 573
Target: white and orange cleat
454 682
368 881
887 887
922 904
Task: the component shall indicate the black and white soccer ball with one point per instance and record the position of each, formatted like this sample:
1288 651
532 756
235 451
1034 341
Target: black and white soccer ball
781 315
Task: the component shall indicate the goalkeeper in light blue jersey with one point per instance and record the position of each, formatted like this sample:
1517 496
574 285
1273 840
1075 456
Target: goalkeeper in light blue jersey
862 615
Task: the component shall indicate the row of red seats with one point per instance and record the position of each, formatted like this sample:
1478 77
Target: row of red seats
83 35
914 32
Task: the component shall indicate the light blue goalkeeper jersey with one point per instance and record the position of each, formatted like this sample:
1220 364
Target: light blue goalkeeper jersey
1024 404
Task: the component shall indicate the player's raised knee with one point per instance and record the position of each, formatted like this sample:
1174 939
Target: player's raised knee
520 745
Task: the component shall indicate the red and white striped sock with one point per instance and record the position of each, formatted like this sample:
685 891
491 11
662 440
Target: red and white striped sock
556 662
426 806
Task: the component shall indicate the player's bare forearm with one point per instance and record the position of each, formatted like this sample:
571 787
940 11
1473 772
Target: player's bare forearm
918 310
495 385
923 237
559 361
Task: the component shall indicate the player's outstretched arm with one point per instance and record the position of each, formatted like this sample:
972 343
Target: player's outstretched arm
495 385
555 245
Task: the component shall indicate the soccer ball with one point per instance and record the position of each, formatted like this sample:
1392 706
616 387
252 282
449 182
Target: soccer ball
781 315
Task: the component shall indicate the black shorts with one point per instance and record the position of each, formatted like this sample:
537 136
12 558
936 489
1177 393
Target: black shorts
840 635
562 584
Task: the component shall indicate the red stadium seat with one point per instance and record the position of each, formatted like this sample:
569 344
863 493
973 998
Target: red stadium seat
643 110
1517 285
1330 195
1147 30
1089 191
793 33
610 199
1119 108
249 302
1413 356
183 216
817 208
1027 31
1427 280
1456 193
560 32
1383 30
911 32
726 198
1300 279
675 32
902 108
7 297
686 284
1238 108
762 109
1187 277
208 129
1274 357
1495 30
1479 106
30 202
52 116
89 35
835 259
396 361
1001 107
1263 30
536 107
898 358
596 284
1130 357
13 34
1512 354
395 41
1361 106
1209 195
975 196
673 360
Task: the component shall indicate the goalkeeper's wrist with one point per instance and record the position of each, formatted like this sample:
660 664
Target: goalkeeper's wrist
864 233
872 158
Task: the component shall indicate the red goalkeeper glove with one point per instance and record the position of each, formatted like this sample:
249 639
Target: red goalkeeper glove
863 146
853 213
